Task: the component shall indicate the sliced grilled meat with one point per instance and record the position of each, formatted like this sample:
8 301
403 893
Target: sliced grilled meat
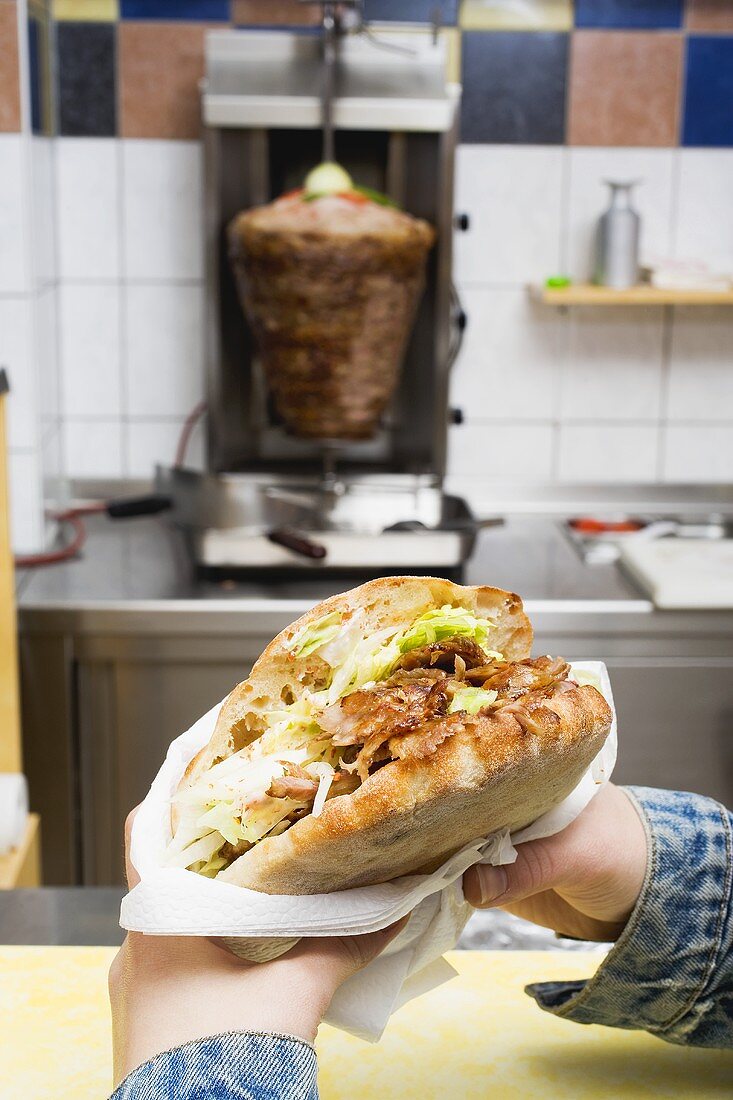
422 742
292 786
406 717
396 706
443 655
514 680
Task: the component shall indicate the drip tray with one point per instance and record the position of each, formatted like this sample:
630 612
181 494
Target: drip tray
235 523
402 550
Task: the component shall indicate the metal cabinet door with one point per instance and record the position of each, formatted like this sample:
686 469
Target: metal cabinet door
675 721
129 711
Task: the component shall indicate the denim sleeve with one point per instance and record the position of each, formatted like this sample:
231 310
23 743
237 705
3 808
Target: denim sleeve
239 1065
671 971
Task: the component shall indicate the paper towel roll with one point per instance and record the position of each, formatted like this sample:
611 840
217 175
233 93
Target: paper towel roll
13 810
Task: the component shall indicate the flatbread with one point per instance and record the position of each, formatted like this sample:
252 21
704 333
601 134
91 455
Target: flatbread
410 815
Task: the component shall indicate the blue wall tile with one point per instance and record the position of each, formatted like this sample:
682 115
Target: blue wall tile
514 87
214 10
628 13
708 117
86 79
34 66
412 11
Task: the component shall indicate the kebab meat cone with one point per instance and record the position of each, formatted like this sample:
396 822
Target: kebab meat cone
330 278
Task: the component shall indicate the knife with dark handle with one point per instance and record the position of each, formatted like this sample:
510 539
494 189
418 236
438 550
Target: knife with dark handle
299 544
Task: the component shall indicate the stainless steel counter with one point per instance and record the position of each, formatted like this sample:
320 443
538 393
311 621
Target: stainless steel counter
64 917
124 648
89 916
143 562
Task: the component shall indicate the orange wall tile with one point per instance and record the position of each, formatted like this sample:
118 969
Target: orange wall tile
625 88
160 65
275 12
9 72
709 15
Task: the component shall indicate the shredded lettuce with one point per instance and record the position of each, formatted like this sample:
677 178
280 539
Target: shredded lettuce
325 775
201 850
374 658
584 678
471 699
212 866
224 817
315 635
446 622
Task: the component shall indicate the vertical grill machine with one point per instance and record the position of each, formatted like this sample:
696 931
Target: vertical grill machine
274 105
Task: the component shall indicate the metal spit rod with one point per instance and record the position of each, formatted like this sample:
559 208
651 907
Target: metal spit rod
329 79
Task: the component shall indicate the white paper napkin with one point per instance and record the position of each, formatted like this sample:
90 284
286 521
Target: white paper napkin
174 902
13 810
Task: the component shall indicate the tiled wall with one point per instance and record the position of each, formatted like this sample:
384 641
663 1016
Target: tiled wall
556 97
131 299
594 72
27 290
589 394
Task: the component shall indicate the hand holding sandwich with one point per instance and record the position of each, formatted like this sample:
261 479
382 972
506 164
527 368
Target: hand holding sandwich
170 990
583 881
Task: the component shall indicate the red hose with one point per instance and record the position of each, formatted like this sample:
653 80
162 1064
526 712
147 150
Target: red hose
73 517
188 425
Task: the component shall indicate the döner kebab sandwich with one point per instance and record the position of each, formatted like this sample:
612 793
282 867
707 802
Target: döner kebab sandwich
381 732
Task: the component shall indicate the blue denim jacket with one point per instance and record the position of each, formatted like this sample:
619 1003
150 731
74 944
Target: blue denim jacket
670 973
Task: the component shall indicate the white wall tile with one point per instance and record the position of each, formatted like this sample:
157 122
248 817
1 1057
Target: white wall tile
27 527
16 355
43 220
501 452
87 204
92 448
512 195
698 452
608 452
52 458
701 365
155 441
705 210
89 333
614 366
14 249
162 204
47 352
164 342
588 198
510 361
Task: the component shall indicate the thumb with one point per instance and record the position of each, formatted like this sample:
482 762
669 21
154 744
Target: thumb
535 870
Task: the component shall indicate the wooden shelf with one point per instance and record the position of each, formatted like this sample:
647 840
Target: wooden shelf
582 294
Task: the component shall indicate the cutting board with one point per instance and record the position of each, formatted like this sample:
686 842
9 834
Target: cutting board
682 573
477 1036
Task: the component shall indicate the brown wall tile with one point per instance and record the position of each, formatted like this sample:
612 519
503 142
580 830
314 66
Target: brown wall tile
709 15
624 88
9 72
160 65
275 12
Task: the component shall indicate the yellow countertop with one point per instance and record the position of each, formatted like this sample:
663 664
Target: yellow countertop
478 1036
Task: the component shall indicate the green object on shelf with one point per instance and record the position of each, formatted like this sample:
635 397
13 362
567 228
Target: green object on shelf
557 281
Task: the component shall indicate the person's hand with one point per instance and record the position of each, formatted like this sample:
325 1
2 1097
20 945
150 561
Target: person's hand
169 990
582 882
